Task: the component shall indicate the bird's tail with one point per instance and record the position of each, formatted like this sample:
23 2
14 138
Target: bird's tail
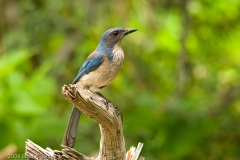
72 127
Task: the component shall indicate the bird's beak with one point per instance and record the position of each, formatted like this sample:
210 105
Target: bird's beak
130 30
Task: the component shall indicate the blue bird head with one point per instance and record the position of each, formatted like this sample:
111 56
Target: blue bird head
114 36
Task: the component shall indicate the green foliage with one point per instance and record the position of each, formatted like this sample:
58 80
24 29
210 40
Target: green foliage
178 89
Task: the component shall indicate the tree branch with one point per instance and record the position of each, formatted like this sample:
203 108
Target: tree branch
104 112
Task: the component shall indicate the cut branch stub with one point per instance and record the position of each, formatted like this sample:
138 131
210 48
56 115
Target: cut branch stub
101 110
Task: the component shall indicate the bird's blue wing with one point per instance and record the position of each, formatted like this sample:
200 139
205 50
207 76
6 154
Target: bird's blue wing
89 65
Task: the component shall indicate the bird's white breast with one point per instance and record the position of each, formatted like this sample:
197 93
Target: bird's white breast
105 73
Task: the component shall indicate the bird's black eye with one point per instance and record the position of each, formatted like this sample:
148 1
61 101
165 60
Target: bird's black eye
115 33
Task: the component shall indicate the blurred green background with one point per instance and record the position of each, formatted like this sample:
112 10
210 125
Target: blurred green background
179 87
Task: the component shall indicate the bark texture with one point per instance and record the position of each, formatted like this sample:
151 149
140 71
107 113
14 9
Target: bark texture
109 118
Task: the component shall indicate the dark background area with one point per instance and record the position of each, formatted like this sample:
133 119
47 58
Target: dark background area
179 87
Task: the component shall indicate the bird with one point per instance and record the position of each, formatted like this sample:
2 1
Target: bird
99 69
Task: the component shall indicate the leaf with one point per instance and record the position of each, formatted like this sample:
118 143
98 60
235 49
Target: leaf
11 61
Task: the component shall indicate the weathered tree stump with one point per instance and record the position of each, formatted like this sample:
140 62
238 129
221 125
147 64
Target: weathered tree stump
109 118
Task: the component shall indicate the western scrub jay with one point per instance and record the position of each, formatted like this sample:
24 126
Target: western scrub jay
99 69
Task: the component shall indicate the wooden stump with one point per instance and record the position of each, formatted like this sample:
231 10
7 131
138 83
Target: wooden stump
109 118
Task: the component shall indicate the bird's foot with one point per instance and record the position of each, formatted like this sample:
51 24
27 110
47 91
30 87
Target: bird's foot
104 100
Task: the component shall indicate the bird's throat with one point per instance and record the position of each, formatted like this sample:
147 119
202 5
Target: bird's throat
118 54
